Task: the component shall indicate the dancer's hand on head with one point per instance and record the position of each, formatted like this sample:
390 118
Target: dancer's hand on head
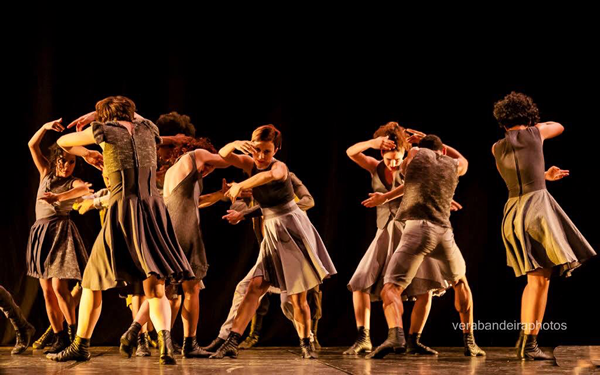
233 192
554 173
455 206
49 197
233 217
82 121
245 146
95 159
55 125
415 136
382 143
375 199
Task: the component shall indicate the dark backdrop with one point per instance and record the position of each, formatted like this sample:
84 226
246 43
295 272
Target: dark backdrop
324 94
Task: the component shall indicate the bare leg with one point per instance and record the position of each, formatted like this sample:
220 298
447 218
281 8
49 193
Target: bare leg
191 307
257 288
174 302
362 309
160 311
136 304
392 304
90 308
535 296
301 314
420 312
55 315
463 303
65 300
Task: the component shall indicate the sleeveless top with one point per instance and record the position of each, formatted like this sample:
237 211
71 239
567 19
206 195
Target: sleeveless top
55 185
388 210
520 159
274 193
429 186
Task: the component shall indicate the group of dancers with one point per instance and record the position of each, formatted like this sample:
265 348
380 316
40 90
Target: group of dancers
151 246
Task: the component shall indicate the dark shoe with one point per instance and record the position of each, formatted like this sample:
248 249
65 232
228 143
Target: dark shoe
79 350
24 336
61 342
307 349
214 345
46 339
229 347
72 331
313 337
129 339
414 346
362 343
176 347
520 339
153 339
191 349
395 343
530 351
249 342
165 348
143 350
471 349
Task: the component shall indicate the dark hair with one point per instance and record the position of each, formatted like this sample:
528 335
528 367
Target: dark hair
56 153
395 133
185 146
516 109
173 123
432 142
115 108
267 133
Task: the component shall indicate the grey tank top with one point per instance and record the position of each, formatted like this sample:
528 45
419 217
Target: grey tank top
56 185
274 193
386 211
520 159
184 197
429 186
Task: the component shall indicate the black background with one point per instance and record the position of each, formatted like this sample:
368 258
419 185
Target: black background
325 92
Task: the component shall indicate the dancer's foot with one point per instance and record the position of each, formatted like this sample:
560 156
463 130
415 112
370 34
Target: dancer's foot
129 339
308 351
165 348
214 345
153 339
191 349
471 348
79 350
395 343
46 339
143 349
414 346
61 342
530 351
24 336
249 342
229 347
362 343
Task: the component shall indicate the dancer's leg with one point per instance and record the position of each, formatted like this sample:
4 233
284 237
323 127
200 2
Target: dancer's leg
65 300
535 296
420 312
191 307
362 309
55 315
301 314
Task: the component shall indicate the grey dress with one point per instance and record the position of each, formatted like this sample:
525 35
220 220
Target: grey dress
182 205
536 232
137 239
369 275
55 248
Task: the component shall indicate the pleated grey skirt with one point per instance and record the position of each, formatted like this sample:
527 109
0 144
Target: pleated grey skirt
292 258
537 233
369 275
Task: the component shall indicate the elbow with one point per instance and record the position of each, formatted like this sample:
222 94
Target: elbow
276 175
61 143
560 128
310 203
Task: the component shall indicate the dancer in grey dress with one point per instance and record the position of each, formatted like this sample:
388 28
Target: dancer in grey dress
539 237
292 256
367 281
55 250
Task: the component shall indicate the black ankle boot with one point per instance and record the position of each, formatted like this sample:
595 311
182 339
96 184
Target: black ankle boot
153 339
520 339
214 345
395 343
191 349
61 342
254 335
79 350
471 349
165 348
72 331
143 349
24 330
530 351
46 339
129 339
229 347
414 346
24 336
307 349
362 343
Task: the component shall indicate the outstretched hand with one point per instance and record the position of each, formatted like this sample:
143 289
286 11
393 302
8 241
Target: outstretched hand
554 173
233 217
82 121
55 125
375 199
233 192
95 159
415 136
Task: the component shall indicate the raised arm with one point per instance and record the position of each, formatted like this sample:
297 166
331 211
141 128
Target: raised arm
355 152
305 200
278 172
243 162
206 157
463 164
550 129
39 160
79 189
73 144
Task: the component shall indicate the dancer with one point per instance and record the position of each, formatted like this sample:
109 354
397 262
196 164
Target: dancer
23 330
292 257
238 212
137 241
367 282
182 192
55 250
430 181
539 237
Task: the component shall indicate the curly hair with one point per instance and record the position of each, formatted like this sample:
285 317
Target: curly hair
516 109
181 148
173 123
56 153
395 133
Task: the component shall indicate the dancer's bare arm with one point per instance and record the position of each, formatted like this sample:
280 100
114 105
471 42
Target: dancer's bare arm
305 200
550 129
39 160
73 144
243 162
278 172
355 152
